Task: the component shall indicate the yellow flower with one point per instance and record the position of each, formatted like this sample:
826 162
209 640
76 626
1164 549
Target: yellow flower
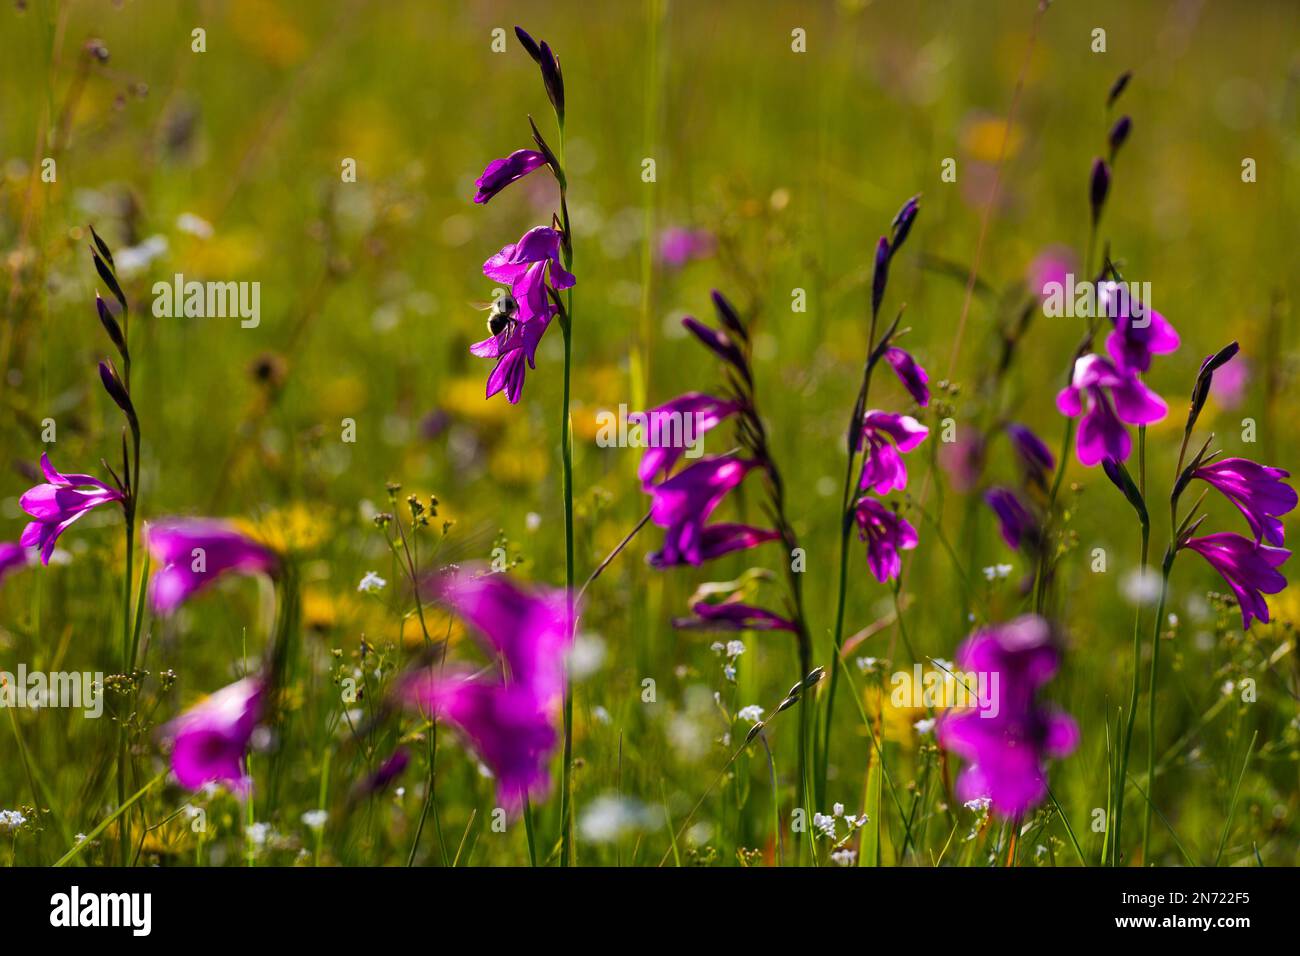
287 530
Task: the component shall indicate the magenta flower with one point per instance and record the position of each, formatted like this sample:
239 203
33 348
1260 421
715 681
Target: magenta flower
503 724
526 266
192 553
57 503
913 376
1248 567
705 413
882 465
209 740
1009 738
500 173
388 772
1257 490
1136 337
886 533
529 630
682 504
732 616
679 246
963 459
1050 267
12 557
715 541
515 349
1014 519
1101 431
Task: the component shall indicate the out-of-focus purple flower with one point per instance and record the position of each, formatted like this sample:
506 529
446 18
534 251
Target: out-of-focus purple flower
1035 457
57 503
1101 431
886 533
192 553
715 541
1229 386
1136 337
882 466
704 412
1008 739
1257 490
526 265
1051 267
1248 567
1014 519
1098 188
720 344
678 246
913 376
1119 134
682 504
529 629
732 616
963 459
500 173
880 274
12 557
388 771
209 740
503 723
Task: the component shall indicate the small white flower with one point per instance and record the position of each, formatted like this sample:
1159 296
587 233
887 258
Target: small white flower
735 648
844 857
532 521
194 225
601 714
11 819
866 664
979 804
257 833
315 819
717 647
837 810
372 582
924 726
825 824
753 713
1228 688
729 672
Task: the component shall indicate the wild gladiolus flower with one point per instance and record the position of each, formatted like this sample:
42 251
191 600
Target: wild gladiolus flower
12 557
1248 567
192 553
1035 457
526 265
1008 739
912 375
1101 431
732 616
512 348
886 533
715 541
882 466
704 412
682 504
1257 490
58 503
679 246
1014 519
1136 338
500 173
209 740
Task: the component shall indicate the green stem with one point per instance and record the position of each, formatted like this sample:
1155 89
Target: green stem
1166 567
1121 784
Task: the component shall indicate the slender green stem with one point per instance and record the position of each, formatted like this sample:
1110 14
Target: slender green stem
1121 784
1166 567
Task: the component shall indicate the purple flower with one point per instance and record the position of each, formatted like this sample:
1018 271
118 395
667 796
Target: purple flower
886 533
913 377
192 553
705 412
1008 739
1050 267
732 616
526 265
1249 568
902 224
679 246
500 173
529 630
1257 490
1098 188
682 504
388 771
1136 337
1014 519
720 344
57 503
1119 134
963 459
209 740
503 723
882 466
880 274
1101 432
12 557
1036 458
715 541
515 349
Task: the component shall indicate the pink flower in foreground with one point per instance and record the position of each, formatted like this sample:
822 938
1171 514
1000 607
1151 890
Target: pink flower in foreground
12 557
1113 397
192 553
209 740
57 503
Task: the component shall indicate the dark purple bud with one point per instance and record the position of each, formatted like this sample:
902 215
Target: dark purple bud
102 246
111 326
902 224
729 317
1205 378
720 344
529 44
1014 520
553 81
116 390
389 770
880 275
1118 134
1098 188
1118 87
109 279
1122 480
1033 453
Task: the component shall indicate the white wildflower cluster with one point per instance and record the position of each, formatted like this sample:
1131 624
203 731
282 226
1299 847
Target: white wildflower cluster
997 572
753 713
315 819
867 665
825 823
844 857
11 820
730 651
980 806
924 726
371 582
